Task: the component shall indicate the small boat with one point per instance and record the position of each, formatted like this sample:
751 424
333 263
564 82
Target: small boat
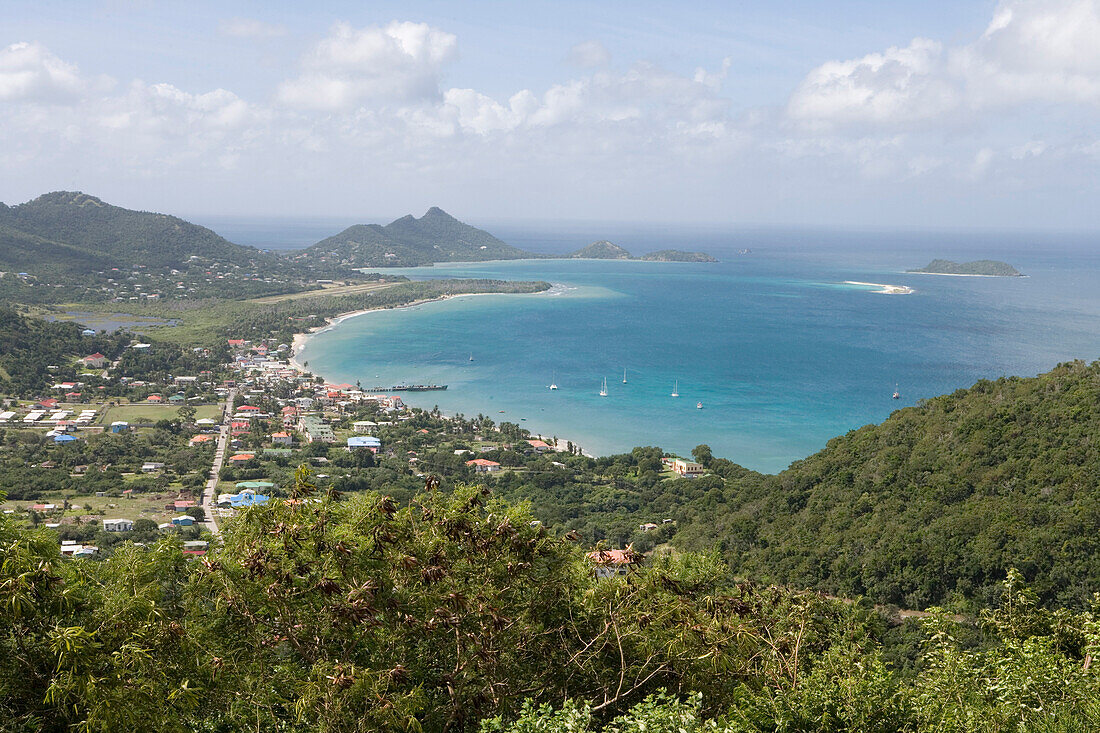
553 382
897 394
698 405
675 389
624 375
471 357
603 389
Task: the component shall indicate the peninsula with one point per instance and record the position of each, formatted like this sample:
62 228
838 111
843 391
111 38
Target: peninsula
977 268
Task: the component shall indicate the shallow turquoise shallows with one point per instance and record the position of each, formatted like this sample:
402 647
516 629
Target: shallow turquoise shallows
780 352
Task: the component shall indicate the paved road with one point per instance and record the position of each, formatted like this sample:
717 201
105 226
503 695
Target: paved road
210 494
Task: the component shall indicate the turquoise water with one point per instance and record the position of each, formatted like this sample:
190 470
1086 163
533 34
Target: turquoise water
781 353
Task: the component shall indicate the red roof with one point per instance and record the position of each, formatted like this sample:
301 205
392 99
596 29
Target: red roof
242 457
236 342
96 355
481 462
249 408
154 398
201 438
538 444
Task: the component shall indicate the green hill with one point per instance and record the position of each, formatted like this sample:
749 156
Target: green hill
602 250
74 232
934 504
991 268
435 237
676 255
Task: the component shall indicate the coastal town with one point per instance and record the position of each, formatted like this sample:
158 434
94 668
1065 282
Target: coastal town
125 454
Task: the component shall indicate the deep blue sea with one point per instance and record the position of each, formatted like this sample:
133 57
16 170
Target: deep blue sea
780 352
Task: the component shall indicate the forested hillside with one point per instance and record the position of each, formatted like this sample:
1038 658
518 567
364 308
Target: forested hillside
933 505
77 231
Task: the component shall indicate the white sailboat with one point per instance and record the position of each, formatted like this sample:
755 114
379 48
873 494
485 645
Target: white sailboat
676 388
553 381
603 389
471 357
624 375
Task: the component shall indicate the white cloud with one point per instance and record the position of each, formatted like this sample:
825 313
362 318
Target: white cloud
250 28
28 71
897 85
589 55
1031 51
401 62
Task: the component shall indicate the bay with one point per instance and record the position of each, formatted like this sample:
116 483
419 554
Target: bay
780 351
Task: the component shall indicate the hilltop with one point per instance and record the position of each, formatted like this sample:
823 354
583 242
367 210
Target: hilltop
601 250
407 242
989 268
72 232
676 255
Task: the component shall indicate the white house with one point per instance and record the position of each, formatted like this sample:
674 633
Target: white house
117 525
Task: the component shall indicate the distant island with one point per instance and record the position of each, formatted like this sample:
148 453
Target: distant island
604 250
986 268
676 255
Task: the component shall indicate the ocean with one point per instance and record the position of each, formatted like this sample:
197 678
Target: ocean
779 350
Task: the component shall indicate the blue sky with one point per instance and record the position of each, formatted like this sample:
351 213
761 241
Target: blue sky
937 114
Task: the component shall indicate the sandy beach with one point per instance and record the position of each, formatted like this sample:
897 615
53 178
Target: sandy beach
885 289
300 339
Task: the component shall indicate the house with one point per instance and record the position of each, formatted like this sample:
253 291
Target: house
610 563
239 427
363 426
120 426
315 430
180 504
117 525
241 458
206 422
87 332
647 527
482 465
686 468
539 446
95 361
155 399
364 441
254 486
196 545
282 439
183 520
151 466
177 399
200 439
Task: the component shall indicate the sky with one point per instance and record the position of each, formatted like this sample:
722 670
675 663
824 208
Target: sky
848 113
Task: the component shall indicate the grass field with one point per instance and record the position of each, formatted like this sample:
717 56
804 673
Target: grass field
147 506
153 413
329 290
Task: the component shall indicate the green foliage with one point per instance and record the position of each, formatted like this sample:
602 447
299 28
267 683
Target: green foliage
932 506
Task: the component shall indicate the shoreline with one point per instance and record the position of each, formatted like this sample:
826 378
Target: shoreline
885 289
302 338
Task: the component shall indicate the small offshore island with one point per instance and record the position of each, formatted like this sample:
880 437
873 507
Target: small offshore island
977 268
604 250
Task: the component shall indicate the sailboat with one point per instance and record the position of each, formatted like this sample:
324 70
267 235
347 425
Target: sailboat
603 389
471 357
624 375
897 394
676 388
553 381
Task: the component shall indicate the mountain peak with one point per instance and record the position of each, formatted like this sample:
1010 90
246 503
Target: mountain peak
437 213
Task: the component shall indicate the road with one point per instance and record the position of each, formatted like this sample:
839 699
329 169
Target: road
210 494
